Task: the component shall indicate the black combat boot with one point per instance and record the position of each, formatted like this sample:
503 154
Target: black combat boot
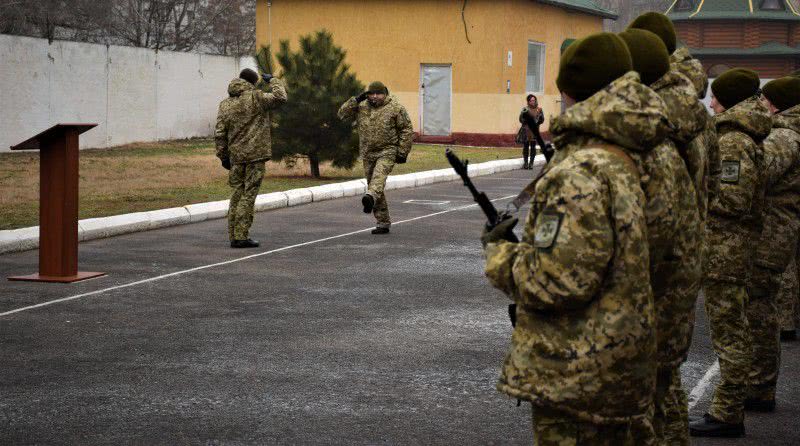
788 335
759 405
368 203
709 426
380 231
249 243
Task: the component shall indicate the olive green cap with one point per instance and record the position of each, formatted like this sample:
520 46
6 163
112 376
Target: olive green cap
734 86
378 87
589 64
566 43
660 25
784 93
648 53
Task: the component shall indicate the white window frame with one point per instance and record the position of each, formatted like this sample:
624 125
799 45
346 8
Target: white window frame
537 88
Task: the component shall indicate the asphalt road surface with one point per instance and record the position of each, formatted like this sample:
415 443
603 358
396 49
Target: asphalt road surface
325 334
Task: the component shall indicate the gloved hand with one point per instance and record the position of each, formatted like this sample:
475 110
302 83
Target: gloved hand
400 159
503 231
226 163
363 96
267 77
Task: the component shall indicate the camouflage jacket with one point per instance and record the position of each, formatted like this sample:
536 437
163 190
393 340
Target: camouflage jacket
584 342
382 131
703 149
244 124
782 209
735 214
674 223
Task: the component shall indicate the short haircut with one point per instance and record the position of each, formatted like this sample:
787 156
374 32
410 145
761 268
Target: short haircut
249 75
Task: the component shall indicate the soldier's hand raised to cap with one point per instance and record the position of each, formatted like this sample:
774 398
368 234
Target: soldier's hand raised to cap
267 77
362 96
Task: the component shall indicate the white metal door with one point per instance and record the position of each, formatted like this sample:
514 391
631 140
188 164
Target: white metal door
436 99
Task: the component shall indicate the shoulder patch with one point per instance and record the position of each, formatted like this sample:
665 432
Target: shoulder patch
547 227
730 171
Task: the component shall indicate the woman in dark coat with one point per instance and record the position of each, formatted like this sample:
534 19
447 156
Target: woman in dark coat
531 118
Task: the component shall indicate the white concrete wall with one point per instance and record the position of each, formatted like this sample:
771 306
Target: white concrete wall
134 94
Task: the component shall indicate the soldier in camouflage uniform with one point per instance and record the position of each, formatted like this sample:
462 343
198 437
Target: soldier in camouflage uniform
788 302
583 349
385 136
778 238
244 145
734 225
673 227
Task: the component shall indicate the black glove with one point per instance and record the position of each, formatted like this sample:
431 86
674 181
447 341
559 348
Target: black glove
226 163
363 96
400 159
267 77
548 152
503 231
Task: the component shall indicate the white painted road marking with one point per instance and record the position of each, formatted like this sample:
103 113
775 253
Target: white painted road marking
702 386
431 202
228 262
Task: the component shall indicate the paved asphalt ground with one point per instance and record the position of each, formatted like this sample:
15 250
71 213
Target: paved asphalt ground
324 335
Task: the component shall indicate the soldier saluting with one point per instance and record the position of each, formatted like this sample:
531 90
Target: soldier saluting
385 136
244 145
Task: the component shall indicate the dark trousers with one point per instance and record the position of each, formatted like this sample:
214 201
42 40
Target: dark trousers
528 145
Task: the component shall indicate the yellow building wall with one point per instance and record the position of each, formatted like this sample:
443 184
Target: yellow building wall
388 40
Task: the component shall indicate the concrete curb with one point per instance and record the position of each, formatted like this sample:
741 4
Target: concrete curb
94 228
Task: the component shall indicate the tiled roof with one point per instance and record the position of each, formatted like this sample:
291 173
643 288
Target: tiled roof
585 6
732 9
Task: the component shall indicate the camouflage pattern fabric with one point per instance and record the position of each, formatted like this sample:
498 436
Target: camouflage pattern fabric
730 336
735 218
671 420
682 61
762 317
384 131
551 428
584 342
245 179
782 175
787 301
377 172
244 124
775 249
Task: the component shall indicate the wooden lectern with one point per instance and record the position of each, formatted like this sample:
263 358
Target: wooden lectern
58 204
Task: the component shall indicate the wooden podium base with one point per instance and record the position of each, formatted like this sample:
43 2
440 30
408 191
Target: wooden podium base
82 275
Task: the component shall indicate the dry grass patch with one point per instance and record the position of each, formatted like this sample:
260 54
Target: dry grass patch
147 176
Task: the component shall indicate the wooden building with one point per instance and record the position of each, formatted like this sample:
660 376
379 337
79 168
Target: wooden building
763 35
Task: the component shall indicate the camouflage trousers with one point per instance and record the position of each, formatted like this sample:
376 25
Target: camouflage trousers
671 420
245 179
762 316
552 428
377 171
788 300
726 307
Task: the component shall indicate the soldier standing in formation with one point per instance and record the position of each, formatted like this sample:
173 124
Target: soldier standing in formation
385 137
244 144
583 350
734 226
673 228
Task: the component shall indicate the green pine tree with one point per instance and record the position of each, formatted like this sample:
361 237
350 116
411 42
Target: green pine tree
318 83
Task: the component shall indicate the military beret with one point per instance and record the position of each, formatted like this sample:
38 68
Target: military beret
648 53
249 75
589 64
566 43
378 87
784 93
660 25
734 86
